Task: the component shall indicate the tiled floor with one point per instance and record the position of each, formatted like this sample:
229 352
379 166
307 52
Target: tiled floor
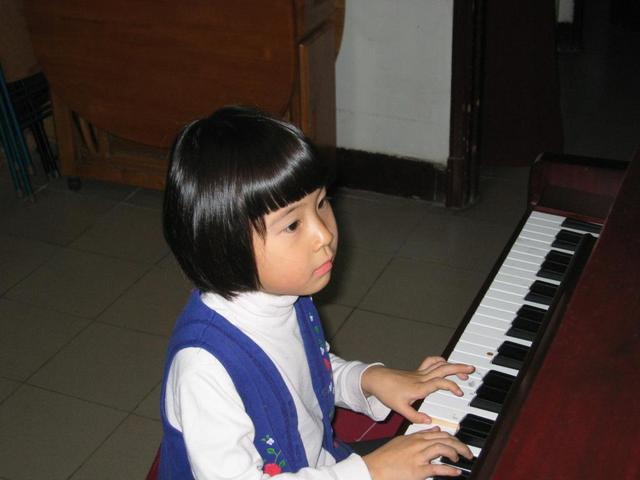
89 292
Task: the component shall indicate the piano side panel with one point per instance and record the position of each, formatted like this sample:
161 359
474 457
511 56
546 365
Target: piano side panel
584 186
580 419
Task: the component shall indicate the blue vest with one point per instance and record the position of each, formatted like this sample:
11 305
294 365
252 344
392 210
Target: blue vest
266 398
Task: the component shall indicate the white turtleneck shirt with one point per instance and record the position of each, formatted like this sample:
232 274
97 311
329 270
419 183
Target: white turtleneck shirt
202 402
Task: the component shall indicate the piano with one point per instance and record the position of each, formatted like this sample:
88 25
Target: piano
555 335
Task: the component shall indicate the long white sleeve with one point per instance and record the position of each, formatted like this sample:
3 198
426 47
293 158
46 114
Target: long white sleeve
347 378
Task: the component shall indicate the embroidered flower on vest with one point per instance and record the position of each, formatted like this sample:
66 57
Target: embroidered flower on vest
274 466
271 469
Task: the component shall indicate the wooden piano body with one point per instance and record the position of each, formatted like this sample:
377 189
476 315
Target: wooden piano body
126 76
574 412
577 413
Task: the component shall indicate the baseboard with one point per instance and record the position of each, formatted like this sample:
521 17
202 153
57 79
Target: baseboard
391 175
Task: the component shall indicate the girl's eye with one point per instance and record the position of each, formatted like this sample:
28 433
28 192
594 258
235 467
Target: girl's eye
323 203
292 227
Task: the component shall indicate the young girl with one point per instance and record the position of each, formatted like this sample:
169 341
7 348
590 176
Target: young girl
250 386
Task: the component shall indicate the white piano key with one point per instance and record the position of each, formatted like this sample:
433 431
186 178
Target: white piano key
547 217
514 299
519 265
523 275
500 305
542 227
450 427
553 222
488 311
492 322
467 387
526 257
494 341
540 246
481 362
512 288
483 330
527 247
541 234
452 403
519 282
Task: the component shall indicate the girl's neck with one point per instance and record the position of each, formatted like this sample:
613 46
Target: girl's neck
252 305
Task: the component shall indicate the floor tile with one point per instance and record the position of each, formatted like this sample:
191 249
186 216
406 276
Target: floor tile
55 217
31 336
19 257
355 271
79 283
152 304
89 187
128 453
170 262
457 241
397 342
128 232
423 291
378 224
333 317
143 197
7 387
128 365
500 201
149 407
46 435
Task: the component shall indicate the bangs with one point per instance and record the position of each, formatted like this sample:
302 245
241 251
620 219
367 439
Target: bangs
297 172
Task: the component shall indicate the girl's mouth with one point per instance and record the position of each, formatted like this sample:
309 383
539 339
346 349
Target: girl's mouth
323 269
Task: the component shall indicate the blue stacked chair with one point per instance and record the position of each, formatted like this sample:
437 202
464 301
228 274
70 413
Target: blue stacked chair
24 104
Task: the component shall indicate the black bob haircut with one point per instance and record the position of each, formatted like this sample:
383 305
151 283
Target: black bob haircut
226 172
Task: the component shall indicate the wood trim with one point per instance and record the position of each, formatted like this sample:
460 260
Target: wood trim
569 35
466 88
63 121
391 175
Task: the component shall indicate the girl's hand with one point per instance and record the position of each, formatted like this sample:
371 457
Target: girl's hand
407 457
399 389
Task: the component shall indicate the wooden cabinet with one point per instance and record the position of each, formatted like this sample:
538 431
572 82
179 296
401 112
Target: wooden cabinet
126 76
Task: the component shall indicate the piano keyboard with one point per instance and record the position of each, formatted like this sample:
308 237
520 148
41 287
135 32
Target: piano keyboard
503 327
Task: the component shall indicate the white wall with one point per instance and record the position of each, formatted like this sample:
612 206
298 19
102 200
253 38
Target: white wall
565 11
393 78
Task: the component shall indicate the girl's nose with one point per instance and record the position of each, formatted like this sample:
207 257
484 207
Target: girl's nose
324 235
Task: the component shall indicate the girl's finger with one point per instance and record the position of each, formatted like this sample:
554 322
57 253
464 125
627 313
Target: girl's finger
447 369
438 383
428 362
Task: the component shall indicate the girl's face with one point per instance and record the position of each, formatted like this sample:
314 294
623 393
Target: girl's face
296 255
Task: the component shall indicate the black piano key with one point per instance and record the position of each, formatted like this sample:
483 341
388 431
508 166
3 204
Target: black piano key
523 329
463 475
583 226
532 313
541 292
552 270
500 380
493 391
527 323
489 398
559 257
511 355
462 463
567 240
474 430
